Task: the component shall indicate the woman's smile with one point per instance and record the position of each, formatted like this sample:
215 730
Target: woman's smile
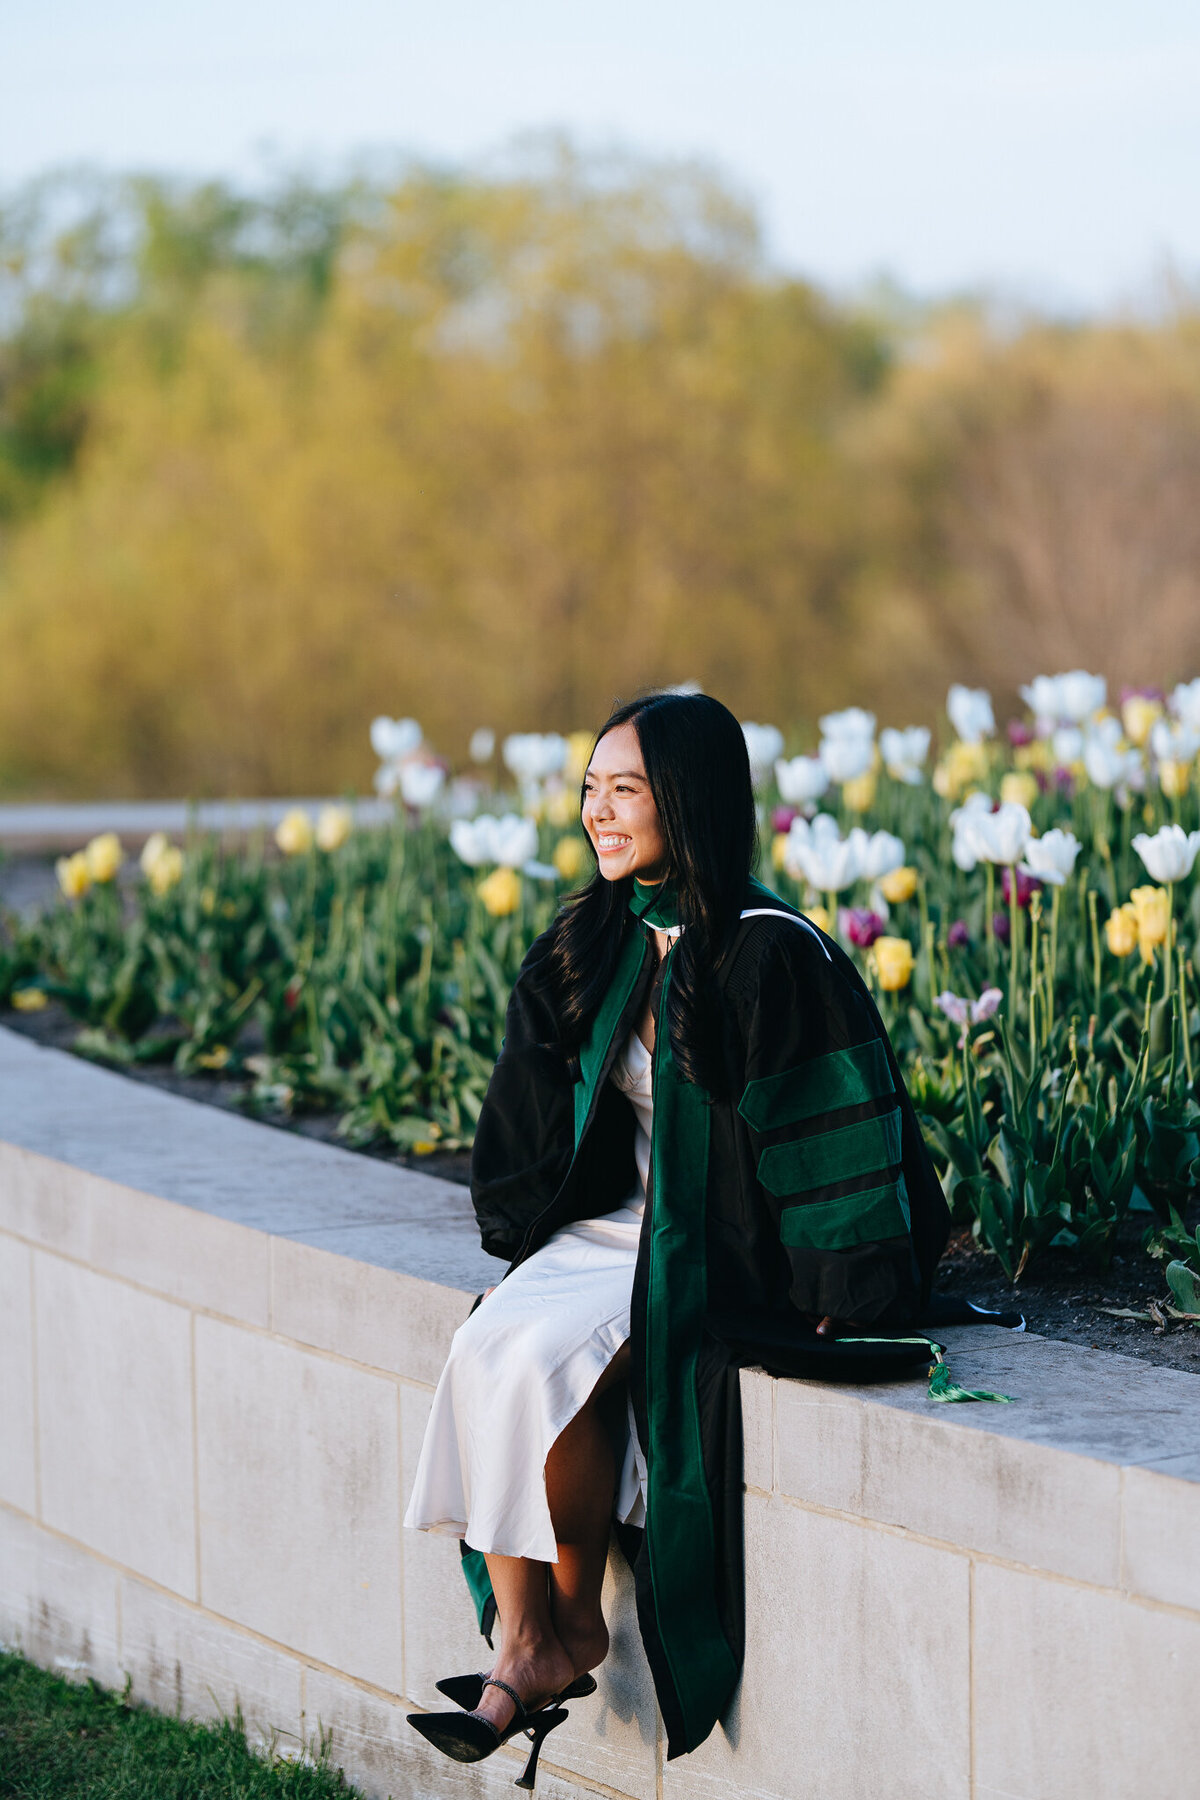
619 812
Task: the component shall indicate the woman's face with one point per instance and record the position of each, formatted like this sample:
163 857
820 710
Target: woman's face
619 814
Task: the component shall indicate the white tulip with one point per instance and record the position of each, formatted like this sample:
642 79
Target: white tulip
802 780
828 863
963 850
904 752
1051 857
853 722
1169 854
1185 703
532 755
970 713
1080 695
846 758
883 853
1107 762
483 745
1067 745
1174 743
421 783
1000 836
510 840
1041 697
1068 699
392 739
763 744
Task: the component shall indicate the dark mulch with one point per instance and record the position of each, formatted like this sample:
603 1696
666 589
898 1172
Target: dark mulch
1060 1296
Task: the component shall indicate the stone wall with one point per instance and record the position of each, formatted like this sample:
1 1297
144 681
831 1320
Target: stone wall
218 1344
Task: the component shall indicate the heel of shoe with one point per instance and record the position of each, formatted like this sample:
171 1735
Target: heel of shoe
539 1730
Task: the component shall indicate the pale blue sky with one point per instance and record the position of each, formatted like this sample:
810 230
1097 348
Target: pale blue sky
1047 148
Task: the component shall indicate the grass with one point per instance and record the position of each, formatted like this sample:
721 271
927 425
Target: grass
60 1741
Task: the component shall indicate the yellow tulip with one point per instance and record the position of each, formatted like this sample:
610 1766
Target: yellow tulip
1151 910
74 876
152 849
1019 788
1037 755
894 963
294 832
104 856
1174 778
579 748
779 844
562 806
166 870
334 825
819 915
1121 930
208 900
898 885
570 857
959 767
859 794
29 999
1138 715
500 892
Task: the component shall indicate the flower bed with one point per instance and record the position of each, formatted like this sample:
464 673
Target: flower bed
1027 915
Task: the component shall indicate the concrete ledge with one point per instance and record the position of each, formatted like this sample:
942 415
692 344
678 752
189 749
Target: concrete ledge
219 1343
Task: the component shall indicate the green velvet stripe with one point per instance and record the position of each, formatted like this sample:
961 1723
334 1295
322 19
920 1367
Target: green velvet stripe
842 1078
479 1582
594 1052
828 1156
680 1532
880 1212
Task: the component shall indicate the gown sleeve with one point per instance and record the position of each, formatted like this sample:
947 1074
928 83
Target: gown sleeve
524 1137
832 1138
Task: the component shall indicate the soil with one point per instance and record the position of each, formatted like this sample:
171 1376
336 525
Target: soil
1060 1296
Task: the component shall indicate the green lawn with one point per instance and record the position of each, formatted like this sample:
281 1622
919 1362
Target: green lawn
59 1741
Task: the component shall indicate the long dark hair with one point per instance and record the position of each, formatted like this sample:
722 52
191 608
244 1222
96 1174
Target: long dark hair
696 763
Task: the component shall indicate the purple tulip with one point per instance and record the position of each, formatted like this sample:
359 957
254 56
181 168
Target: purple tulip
1001 927
860 925
781 818
1064 781
1143 693
1019 733
958 937
1027 887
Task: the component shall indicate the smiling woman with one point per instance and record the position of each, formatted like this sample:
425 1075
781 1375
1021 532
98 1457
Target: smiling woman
696 1150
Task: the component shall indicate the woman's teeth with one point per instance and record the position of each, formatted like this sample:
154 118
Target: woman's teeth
606 842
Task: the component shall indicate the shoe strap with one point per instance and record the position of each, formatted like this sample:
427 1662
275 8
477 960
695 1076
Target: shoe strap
522 1709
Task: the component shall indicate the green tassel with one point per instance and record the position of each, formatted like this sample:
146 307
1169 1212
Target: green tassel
940 1385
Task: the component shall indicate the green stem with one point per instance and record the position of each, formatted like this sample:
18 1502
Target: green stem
1168 948
1035 913
1185 1016
1014 914
1053 979
989 925
1095 923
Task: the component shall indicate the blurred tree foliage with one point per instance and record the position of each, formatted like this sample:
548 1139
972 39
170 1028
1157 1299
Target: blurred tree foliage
495 448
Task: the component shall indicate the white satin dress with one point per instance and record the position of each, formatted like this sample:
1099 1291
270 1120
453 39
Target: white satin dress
523 1364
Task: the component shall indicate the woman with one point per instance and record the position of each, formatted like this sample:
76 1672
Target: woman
696 1151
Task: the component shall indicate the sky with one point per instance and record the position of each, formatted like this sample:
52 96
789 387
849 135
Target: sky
1045 150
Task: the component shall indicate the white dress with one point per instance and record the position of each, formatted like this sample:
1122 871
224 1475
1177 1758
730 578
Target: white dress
524 1363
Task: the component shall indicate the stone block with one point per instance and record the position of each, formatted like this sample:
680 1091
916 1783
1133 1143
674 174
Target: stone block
1161 1541
819 1445
758 1429
371 1315
441 1636
183 1661
1078 1693
58 1605
44 1200
856 1675
115 1420
185 1254
299 1490
18 1470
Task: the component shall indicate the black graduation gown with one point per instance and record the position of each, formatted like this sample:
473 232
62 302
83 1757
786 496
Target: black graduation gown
806 1191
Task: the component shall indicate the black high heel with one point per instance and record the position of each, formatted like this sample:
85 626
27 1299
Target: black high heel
468 1738
467 1690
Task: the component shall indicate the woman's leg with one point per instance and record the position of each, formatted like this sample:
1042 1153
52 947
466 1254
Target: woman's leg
552 1628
